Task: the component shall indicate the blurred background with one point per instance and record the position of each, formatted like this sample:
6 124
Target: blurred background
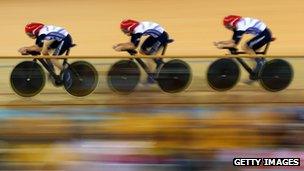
150 130
162 137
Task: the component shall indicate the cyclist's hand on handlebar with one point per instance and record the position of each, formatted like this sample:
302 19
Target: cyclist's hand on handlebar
23 51
219 45
33 53
117 48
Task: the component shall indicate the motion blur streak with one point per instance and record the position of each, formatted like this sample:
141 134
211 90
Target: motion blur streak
141 138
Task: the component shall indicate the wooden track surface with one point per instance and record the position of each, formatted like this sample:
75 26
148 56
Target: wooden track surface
194 24
54 116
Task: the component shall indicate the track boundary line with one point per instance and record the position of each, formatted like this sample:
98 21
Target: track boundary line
149 57
145 103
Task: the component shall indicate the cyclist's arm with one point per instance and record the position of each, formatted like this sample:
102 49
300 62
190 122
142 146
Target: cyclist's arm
45 47
25 49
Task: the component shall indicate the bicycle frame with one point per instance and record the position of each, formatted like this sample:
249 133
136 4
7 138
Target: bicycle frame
234 51
49 69
133 52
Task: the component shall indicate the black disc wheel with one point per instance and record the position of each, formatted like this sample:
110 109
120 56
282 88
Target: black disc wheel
124 76
27 78
174 76
276 75
80 78
223 74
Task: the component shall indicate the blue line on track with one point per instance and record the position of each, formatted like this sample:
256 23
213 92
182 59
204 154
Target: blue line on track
104 113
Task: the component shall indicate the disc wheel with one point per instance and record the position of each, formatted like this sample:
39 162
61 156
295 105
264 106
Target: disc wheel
80 78
223 74
27 79
123 76
174 76
276 75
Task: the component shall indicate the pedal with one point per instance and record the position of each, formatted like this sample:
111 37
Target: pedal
254 76
151 79
57 82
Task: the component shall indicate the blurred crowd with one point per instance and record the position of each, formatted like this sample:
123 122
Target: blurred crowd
163 141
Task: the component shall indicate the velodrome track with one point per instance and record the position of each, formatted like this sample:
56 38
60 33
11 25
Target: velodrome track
198 91
193 24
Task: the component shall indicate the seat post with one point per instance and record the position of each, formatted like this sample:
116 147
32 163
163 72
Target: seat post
164 49
266 48
65 60
165 46
67 53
